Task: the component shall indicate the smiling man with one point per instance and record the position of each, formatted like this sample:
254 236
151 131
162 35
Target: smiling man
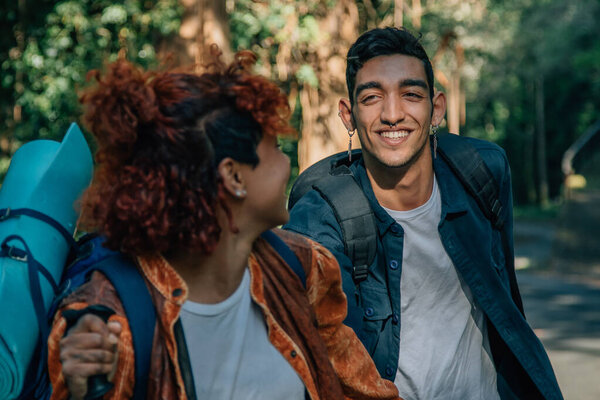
437 308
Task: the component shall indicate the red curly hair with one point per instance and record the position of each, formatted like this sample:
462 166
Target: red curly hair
160 136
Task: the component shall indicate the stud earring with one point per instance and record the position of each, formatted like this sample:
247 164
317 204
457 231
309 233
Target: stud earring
239 193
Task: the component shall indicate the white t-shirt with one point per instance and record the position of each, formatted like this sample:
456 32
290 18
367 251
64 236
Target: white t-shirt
230 352
444 349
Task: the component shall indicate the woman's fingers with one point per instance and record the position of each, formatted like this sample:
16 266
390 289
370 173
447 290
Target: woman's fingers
89 348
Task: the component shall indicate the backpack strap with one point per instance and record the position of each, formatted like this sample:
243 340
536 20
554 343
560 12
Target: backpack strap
466 163
139 309
468 166
355 217
7 213
286 253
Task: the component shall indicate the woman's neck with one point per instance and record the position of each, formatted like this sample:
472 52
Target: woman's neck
214 277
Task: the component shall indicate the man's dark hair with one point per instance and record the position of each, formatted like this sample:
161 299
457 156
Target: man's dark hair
384 42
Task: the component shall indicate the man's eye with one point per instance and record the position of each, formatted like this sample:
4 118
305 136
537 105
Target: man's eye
414 95
368 99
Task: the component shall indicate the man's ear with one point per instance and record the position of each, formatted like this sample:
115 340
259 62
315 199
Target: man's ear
233 179
345 113
439 108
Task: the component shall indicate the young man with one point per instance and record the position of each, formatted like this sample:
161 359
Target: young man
435 311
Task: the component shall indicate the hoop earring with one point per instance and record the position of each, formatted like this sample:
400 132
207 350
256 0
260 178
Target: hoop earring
350 134
434 129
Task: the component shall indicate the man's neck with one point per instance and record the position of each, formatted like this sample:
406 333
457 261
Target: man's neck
403 188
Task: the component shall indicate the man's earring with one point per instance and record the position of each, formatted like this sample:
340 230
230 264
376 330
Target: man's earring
434 129
350 134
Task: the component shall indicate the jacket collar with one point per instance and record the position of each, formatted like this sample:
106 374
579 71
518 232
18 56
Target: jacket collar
454 197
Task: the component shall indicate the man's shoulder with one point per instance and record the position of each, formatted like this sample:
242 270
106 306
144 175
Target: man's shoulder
492 154
312 216
488 150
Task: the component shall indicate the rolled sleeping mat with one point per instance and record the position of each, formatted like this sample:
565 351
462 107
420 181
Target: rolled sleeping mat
48 177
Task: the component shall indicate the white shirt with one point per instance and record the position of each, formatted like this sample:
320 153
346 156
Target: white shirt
444 349
230 352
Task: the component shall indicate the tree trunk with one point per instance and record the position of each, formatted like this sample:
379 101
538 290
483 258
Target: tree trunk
541 142
398 9
322 131
417 13
204 23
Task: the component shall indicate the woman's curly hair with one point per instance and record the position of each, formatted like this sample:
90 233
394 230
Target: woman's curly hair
160 136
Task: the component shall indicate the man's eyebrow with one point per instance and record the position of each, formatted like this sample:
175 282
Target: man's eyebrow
367 85
414 82
404 83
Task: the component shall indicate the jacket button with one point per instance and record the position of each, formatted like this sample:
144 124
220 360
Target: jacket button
389 371
369 312
395 318
293 353
177 292
394 264
395 228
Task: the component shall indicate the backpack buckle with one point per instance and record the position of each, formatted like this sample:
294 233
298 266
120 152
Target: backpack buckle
360 273
17 254
5 214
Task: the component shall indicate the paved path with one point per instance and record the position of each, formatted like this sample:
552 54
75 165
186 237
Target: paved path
566 317
560 284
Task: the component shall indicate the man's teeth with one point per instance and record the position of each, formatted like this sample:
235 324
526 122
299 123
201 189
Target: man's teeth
395 134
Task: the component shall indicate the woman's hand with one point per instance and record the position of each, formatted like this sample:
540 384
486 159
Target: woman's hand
89 348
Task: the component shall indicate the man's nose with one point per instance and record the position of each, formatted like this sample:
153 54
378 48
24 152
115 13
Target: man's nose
392 112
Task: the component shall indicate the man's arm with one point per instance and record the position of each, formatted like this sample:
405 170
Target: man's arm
350 360
313 217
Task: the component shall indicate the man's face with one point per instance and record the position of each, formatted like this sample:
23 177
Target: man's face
392 110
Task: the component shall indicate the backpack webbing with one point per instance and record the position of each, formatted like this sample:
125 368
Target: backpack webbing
355 217
476 177
468 166
139 310
286 253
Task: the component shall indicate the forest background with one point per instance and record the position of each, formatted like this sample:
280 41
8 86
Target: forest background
522 73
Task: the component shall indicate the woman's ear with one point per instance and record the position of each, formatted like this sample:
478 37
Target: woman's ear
233 179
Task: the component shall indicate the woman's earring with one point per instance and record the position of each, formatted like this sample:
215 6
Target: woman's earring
350 134
434 129
239 193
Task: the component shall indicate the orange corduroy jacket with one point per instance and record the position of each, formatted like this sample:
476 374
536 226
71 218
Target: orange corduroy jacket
305 325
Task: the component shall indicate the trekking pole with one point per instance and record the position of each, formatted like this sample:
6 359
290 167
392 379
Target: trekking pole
98 385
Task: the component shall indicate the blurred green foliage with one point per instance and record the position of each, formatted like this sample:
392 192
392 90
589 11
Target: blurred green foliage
554 41
47 48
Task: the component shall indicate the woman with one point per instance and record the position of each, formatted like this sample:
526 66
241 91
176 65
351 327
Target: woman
189 175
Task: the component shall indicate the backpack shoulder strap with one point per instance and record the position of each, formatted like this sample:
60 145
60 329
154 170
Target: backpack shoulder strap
139 309
468 166
305 181
355 217
286 253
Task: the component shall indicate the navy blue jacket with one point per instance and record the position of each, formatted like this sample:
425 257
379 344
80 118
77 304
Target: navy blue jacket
475 248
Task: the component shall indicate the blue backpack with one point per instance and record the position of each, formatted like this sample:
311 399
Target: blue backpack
88 256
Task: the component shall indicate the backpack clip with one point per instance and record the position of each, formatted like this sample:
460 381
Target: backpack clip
5 214
360 273
17 254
